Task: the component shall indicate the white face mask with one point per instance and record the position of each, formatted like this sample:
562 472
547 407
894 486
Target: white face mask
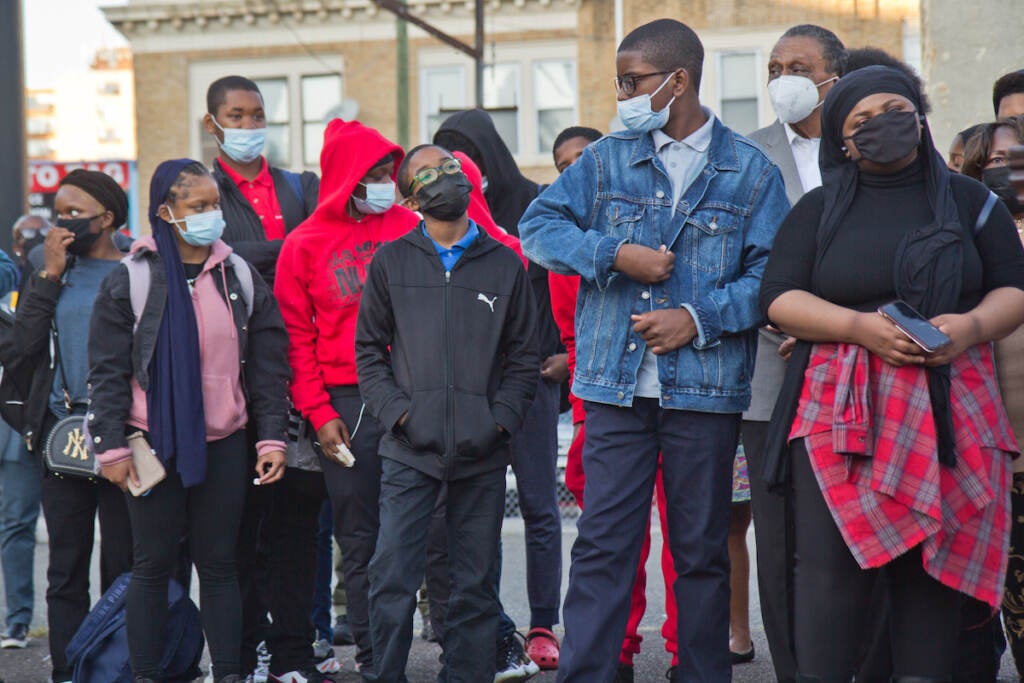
794 98
638 115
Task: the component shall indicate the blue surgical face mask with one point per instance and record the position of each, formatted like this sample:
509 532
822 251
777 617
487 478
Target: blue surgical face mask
242 144
637 115
201 229
379 198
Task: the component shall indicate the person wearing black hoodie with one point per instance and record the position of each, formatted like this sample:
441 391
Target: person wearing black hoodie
535 449
446 359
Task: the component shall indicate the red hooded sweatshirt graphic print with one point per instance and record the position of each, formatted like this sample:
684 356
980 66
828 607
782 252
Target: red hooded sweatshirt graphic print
322 268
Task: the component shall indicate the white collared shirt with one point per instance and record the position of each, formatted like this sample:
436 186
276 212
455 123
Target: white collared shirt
805 154
683 161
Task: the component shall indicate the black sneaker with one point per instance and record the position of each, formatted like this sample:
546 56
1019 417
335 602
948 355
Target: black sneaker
343 632
513 664
15 638
623 674
672 674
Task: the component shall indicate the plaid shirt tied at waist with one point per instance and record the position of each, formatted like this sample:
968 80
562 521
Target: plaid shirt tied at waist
870 434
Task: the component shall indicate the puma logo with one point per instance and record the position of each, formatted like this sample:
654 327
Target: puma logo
489 302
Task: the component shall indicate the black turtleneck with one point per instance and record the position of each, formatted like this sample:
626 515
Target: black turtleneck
858 268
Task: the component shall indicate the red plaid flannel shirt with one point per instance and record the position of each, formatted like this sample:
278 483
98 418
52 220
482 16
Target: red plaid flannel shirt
871 438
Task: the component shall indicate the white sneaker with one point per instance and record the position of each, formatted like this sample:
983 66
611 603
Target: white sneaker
262 672
15 638
323 654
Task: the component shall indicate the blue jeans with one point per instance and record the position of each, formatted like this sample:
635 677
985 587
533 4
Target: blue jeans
473 514
324 573
20 484
620 457
534 460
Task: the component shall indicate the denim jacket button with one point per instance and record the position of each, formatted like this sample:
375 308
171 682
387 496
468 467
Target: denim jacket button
621 395
659 194
667 397
632 346
645 295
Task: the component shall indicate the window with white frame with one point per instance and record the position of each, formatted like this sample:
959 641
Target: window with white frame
299 95
738 86
530 91
554 88
501 99
443 90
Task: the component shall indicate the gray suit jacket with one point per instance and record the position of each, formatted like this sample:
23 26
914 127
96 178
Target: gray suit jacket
770 368
776 145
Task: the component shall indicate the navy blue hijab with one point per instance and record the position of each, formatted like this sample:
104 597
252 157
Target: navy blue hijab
177 422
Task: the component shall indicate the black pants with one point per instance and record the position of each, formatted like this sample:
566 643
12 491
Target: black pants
1013 597
774 537
292 528
253 557
70 505
473 514
210 513
832 595
354 493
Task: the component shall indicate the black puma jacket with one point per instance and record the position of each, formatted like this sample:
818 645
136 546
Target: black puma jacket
455 350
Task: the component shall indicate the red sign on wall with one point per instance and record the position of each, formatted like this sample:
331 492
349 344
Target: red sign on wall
45 176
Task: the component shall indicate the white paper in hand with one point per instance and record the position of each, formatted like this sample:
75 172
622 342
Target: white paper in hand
344 456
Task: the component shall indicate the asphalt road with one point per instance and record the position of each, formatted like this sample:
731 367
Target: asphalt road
31 665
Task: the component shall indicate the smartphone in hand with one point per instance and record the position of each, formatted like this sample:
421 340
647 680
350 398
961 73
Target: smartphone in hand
914 325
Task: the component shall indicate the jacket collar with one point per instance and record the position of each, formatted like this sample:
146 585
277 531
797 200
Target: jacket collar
482 243
722 153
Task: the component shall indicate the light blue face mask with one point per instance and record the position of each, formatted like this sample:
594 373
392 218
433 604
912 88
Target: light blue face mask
242 144
201 229
379 198
637 115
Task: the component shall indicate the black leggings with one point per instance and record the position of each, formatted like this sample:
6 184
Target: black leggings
209 514
832 596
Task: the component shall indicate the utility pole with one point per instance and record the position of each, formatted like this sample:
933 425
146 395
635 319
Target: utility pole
402 77
12 112
476 51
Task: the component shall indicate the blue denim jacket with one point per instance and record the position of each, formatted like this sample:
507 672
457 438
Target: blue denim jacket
720 231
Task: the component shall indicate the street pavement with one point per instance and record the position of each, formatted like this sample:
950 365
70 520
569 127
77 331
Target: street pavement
31 665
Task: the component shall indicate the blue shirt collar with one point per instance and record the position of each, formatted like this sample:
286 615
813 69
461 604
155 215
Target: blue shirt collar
450 255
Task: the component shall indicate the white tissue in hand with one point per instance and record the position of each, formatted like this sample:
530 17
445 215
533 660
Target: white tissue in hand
344 456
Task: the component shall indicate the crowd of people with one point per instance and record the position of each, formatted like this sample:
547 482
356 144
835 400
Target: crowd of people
288 359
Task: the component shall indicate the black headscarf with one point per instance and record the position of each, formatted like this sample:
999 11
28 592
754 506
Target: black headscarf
103 189
929 260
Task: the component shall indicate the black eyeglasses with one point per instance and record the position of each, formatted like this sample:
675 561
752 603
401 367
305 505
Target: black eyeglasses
626 85
429 175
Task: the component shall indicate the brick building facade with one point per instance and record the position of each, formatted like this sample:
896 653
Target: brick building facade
550 64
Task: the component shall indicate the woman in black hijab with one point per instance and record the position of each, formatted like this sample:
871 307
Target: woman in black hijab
900 457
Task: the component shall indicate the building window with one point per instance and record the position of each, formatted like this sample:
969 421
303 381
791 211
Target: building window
275 108
554 88
38 149
738 87
443 90
36 126
501 100
321 96
108 88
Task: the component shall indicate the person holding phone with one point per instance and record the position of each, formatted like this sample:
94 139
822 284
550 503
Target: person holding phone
205 354
898 458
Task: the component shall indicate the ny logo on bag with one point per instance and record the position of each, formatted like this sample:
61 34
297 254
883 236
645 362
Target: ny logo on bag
75 447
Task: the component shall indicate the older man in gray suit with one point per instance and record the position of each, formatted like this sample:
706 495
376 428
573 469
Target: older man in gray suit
804 64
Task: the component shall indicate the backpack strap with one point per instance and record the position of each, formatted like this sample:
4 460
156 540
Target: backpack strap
295 182
985 212
244 275
138 284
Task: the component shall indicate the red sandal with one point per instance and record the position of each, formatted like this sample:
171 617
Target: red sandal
542 647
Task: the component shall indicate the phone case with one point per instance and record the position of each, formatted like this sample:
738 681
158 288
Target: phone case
148 467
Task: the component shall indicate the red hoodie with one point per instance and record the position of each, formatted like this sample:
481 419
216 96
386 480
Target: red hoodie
322 267
480 213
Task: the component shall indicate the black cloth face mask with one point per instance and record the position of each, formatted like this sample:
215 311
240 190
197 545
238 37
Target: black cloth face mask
83 238
998 180
887 137
447 198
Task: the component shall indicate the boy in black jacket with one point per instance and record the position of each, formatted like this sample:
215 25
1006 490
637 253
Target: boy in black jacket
447 364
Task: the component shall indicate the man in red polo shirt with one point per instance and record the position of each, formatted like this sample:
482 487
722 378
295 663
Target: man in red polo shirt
261 203
277 552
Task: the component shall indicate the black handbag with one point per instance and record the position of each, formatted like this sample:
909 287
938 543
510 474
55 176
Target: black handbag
67 450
